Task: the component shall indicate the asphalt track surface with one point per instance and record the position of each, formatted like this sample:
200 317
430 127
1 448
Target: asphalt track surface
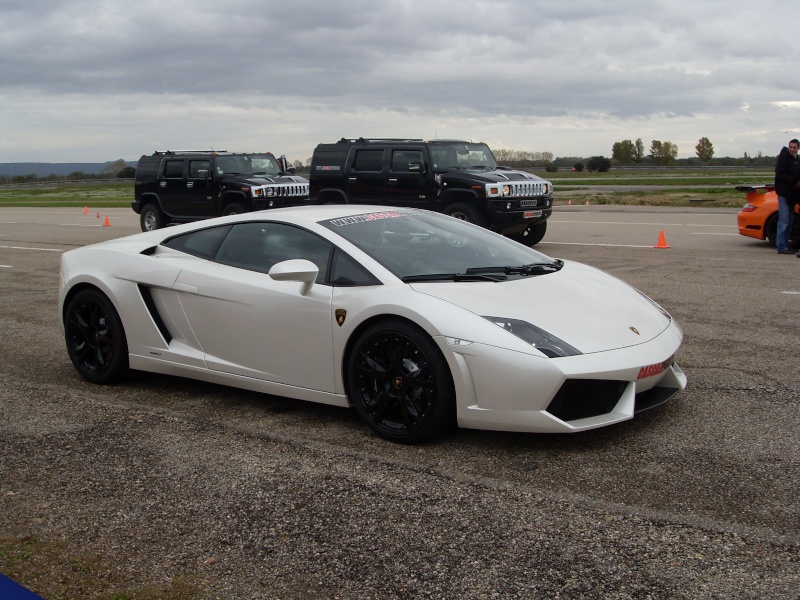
250 496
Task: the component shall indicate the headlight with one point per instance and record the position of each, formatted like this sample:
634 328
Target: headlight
506 190
546 343
270 192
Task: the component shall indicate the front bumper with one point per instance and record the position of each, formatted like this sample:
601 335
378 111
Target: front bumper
512 215
505 390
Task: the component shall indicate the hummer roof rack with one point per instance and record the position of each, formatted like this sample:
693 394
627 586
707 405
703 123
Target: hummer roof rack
189 152
378 140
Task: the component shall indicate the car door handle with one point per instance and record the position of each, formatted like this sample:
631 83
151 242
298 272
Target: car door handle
392 179
163 183
190 184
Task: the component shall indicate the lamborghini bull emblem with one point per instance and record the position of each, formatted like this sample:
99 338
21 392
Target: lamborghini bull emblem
397 383
341 315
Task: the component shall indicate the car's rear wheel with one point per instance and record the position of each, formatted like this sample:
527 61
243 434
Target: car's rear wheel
234 208
467 212
95 338
531 235
400 383
771 230
151 218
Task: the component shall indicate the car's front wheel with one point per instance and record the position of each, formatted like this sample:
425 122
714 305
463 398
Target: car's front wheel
95 338
467 212
151 218
234 208
531 235
400 383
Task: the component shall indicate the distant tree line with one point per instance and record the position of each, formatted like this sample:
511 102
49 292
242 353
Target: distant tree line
119 169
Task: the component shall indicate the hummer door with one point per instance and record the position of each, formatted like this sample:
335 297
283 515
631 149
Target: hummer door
200 197
172 187
408 177
366 177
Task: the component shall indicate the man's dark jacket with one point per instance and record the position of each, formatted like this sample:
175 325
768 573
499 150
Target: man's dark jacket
787 174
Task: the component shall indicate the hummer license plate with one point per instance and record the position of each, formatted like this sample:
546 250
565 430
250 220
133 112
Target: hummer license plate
530 214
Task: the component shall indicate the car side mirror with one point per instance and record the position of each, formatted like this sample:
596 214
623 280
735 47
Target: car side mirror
415 167
296 269
203 173
291 170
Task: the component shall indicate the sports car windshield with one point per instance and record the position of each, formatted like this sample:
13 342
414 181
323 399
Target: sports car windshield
462 155
247 164
425 246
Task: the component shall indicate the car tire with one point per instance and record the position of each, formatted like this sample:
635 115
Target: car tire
234 208
400 384
467 212
531 235
95 337
151 218
771 230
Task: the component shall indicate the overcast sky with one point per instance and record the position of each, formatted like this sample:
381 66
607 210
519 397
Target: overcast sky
95 80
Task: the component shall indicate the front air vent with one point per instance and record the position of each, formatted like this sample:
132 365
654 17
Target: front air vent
147 297
584 398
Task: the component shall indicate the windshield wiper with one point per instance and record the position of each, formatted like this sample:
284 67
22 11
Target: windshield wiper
452 277
531 269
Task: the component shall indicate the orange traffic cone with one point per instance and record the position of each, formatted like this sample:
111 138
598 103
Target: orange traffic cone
86 210
662 241
106 223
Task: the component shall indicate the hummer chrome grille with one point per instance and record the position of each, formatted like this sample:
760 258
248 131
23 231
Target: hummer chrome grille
527 188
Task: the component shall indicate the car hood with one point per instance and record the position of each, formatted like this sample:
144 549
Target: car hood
583 306
262 180
494 176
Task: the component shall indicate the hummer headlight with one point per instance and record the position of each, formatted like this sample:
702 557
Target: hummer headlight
506 190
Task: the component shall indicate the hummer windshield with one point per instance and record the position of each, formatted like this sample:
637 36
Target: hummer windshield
462 155
247 164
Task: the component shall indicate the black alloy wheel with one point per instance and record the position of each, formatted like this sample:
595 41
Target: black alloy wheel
400 383
95 337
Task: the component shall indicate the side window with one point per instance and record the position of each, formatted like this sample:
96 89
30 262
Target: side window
346 272
402 158
195 166
201 243
260 246
173 169
368 160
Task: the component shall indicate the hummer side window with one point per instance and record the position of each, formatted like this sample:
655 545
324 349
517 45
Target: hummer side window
403 159
195 166
173 169
368 160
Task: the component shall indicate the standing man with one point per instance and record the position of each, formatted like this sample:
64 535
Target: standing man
787 186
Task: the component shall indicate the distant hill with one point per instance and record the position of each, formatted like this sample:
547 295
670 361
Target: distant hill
41 169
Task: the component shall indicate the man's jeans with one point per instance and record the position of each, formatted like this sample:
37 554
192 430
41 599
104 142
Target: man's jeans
785 220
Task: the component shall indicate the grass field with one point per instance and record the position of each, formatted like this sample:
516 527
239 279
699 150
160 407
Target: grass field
691 187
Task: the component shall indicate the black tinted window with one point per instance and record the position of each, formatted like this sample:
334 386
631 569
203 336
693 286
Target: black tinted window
260 246
201 243
195 166
346 272
368 160
173 169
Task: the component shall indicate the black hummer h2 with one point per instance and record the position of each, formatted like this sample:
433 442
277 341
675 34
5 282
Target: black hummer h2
173 187
457 178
